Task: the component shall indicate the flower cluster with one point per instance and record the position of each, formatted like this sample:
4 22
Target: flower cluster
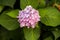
28 17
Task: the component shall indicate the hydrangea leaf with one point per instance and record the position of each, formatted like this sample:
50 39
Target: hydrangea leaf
42 3
31 34
13 13
11 35
1 8
50 16
48 38
56 33
8 22
7 2
24 3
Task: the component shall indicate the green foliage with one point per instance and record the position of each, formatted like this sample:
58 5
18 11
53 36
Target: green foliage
47 28
48 38
1 8
7 2
13 13
11 35
24 3
42 3
56 33
31 34
8 22
58 1
50 16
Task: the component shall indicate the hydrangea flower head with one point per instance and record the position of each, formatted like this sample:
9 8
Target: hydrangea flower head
28 17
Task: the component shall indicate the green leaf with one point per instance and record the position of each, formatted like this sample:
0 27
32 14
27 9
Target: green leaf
24 3
11 35
13 13
8 22
42 3
56 33
1 8
50 16
7 2
16 34
48 38
31 34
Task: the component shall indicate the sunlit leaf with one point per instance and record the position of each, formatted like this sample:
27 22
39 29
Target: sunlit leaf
31 34
8 23
24 3
50 16
13 13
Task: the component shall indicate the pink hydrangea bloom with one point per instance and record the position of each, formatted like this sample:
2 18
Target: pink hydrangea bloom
28 17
